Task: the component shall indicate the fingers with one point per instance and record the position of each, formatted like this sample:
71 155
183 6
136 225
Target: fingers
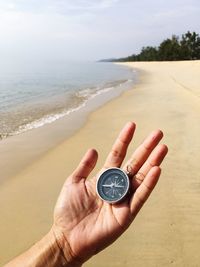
155 159
86 165
119 149
143 151
144 190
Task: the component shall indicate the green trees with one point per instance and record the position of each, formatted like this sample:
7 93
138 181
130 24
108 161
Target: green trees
190 45
170 49
148 53
174 48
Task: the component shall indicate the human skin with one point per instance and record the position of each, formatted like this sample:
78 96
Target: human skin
83 223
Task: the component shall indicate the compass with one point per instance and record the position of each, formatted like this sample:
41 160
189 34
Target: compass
113 185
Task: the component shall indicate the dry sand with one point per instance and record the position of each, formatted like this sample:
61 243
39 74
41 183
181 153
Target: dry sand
167 231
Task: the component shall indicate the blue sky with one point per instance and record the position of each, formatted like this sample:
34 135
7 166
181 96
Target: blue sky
90 29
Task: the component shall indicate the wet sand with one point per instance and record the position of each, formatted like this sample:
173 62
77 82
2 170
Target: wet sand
167 230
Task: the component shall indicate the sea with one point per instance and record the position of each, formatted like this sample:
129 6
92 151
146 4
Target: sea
32 95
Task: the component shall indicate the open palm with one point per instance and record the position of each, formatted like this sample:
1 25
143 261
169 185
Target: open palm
83 223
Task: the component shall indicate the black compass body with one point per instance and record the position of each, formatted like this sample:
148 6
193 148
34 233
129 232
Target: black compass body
113 185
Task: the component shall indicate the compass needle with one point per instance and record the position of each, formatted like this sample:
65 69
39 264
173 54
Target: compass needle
113 185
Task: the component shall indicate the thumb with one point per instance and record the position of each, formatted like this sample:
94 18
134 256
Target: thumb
86 165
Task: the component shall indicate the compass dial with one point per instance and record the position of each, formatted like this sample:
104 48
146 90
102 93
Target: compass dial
113 185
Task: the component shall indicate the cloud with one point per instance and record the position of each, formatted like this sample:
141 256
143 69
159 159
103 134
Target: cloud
56 6
87 4
90 28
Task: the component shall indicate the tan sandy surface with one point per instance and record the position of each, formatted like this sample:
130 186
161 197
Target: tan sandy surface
167 231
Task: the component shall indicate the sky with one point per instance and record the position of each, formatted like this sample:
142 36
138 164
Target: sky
66 30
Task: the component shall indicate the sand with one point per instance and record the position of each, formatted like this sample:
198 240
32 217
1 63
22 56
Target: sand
167 230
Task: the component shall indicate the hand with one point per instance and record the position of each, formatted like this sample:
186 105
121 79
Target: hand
83 223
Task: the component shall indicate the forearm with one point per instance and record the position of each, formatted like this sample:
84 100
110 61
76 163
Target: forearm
45 253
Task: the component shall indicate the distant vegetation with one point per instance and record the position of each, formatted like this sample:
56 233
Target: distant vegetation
175 48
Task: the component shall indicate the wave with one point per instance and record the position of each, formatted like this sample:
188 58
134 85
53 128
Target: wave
72 102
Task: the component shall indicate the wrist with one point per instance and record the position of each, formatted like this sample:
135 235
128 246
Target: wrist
47 252
52 254
63 249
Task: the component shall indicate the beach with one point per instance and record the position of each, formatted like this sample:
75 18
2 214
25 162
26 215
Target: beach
166 231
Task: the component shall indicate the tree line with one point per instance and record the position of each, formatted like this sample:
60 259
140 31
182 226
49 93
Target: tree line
186 47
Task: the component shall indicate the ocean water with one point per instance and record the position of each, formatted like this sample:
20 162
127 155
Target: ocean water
32 96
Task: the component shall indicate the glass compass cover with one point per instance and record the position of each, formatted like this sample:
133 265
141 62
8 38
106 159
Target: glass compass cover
113 185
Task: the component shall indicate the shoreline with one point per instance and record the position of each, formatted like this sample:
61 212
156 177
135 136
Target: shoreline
35 143
31 100
166 232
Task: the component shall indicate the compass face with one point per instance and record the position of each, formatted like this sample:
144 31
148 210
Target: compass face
113 185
